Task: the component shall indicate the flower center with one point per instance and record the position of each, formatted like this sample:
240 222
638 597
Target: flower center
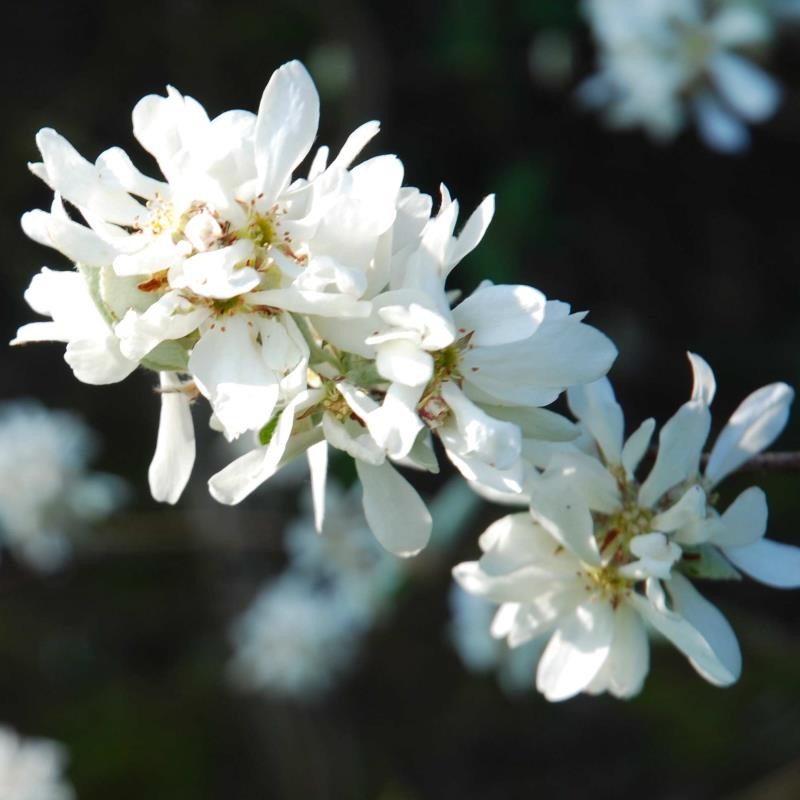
261 229
335 404
606 583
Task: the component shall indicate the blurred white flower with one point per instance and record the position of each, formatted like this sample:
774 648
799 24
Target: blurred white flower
47 495
297 639
345 552
663 60
304 629
31 769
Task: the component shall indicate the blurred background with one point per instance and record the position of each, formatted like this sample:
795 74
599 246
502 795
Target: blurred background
123 654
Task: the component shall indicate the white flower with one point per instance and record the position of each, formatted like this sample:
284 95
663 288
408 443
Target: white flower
47 495
297 638
200 273
303 631
309 311
599 552
31 769
661 59
551 578
93 351
677 492
504 347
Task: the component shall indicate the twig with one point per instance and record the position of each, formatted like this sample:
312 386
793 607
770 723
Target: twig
770 462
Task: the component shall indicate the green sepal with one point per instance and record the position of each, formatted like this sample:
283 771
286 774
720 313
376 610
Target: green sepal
120 293
92 277
361 371
268 431
705 561
169 356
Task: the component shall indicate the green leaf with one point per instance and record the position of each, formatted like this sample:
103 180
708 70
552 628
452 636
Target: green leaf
705 561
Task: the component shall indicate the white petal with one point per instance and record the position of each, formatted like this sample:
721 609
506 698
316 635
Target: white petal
350 438
395 512
636 446
576 652
656 554
689 509
697 629
175 447
40 332
750 91
744 521
738 25
395 425
753 427
169 126
770 562
152 256
319 163
170 317
516 541
588 478
241 477
562 352
355 143
77 242
486 479
473 432
219 273
472 233
79 181
405 362
536 423
680 445
500 314
318 467
719 128
326 304
98 360
705 386
595 405
229 370
626 667
518 586
565 515
65 297
115 167
432 328
288 117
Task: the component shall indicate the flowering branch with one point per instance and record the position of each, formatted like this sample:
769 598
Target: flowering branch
312 312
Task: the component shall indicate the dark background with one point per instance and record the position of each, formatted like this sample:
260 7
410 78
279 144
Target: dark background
122 655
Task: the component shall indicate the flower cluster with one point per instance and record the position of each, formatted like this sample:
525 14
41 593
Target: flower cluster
31 769
313 312
47 496
663 60
601 554
308 311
